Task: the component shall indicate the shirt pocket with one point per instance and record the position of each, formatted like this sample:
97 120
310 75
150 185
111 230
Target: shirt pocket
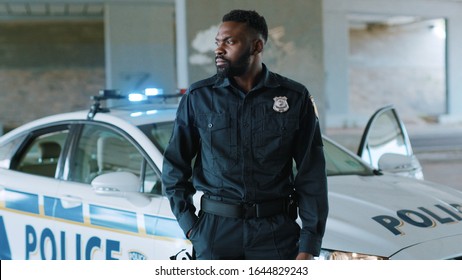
274 138
218 140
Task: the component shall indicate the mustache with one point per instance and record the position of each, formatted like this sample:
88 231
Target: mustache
221 57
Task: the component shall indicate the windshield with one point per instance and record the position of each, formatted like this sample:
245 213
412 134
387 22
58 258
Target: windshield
341 162
158 133
338 160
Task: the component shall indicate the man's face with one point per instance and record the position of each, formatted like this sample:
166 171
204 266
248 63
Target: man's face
234 49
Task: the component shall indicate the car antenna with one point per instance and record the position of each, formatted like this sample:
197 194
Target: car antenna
104 94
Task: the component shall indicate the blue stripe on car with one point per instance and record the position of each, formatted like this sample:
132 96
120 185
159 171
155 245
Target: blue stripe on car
113 218
99 216
22 201
74 214
160 226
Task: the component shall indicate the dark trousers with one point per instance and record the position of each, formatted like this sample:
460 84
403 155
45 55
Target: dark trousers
220 238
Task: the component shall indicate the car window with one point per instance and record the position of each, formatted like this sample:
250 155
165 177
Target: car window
340 162
41 155
101 150
384 134
158 133
7 150
152 182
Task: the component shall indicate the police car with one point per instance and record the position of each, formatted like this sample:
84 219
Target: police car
86 185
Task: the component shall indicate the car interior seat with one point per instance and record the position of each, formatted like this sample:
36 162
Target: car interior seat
49 152
47 162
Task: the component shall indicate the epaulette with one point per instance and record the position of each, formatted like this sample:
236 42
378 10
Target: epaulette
289 83
202 83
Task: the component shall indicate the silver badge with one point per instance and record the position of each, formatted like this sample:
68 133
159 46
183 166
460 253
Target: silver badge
280 104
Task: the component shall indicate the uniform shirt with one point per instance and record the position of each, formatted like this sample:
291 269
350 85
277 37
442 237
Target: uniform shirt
239 146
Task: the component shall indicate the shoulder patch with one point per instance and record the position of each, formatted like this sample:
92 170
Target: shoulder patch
314 106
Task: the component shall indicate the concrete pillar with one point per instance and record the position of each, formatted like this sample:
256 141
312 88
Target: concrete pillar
181 44
454 70
336 47
140 49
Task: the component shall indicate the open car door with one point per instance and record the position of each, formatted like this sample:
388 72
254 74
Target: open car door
386 146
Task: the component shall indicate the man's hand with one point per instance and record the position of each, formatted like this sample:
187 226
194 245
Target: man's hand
304 256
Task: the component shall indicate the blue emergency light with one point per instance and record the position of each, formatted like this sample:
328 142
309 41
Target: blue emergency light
148 92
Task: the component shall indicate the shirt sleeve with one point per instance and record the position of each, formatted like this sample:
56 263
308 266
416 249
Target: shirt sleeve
311 180
177 169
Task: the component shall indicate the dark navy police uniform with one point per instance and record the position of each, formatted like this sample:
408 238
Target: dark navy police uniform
238 149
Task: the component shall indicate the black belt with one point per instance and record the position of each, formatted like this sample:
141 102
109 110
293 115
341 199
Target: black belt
244 210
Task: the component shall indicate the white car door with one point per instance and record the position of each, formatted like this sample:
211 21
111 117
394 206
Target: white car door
27 186
386 146
108 205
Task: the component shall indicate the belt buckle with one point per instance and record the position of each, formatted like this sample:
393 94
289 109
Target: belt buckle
250 210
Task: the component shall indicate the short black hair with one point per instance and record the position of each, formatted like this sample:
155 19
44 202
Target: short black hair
251 18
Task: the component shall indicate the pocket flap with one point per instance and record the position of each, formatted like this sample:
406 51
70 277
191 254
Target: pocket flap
212 122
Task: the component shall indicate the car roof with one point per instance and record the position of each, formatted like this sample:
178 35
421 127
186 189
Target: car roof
144 114
136 115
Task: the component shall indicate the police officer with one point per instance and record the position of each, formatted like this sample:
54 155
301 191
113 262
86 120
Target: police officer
235 139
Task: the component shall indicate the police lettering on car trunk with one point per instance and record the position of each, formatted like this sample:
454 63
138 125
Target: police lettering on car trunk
423 217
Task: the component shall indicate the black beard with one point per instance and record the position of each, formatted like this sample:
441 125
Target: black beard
222 72
236 69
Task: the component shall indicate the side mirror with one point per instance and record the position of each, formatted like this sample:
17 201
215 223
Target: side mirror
120 184
115 183
399 164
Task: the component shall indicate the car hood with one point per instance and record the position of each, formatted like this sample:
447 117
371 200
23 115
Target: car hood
383 215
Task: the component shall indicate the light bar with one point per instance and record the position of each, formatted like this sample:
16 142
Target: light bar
136 97
153 91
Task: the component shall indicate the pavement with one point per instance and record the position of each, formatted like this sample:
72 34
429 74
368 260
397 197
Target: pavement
437 146
439 150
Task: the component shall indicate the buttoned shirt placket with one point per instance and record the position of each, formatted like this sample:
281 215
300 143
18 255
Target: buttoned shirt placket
245 132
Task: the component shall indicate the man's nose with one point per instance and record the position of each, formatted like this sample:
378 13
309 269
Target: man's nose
219 50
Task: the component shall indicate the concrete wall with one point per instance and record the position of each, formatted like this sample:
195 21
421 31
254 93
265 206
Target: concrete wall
48 68
336 39
140 46
401 64
62 63
52 66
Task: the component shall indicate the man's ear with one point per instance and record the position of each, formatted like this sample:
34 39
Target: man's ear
258 46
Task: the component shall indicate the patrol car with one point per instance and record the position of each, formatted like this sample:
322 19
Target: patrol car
86 185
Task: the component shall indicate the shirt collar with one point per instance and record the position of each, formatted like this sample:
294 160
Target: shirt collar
269 80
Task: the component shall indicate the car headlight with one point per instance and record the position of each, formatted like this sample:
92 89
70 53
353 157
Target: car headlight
339 255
